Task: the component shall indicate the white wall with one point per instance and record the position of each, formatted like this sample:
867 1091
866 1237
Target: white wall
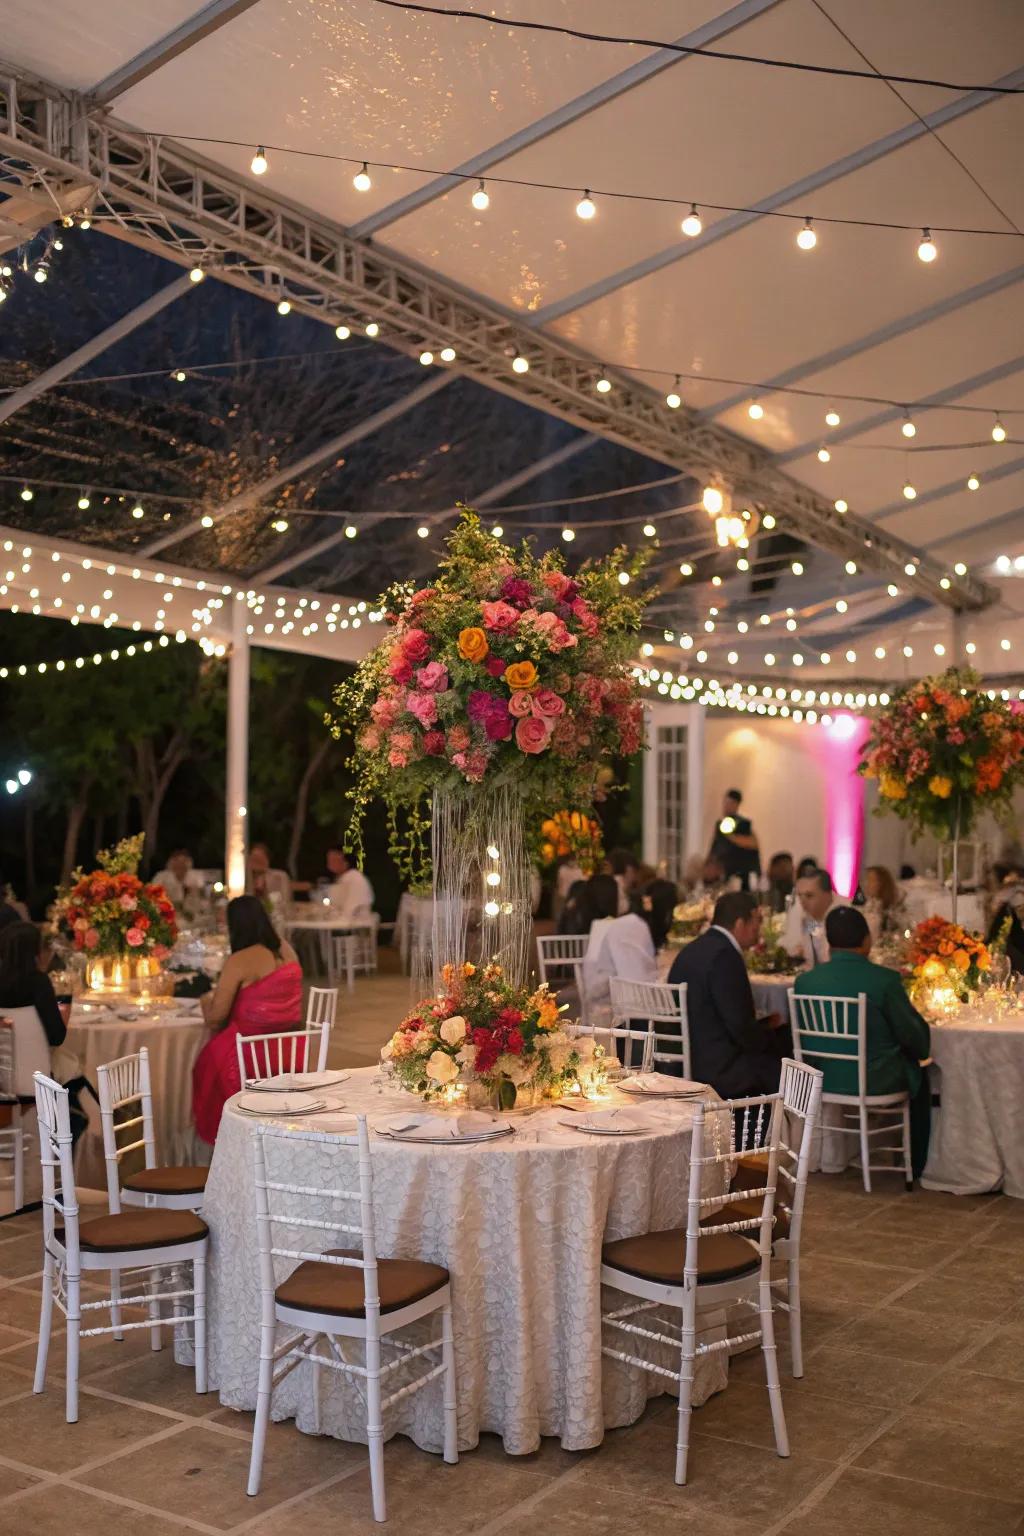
783 786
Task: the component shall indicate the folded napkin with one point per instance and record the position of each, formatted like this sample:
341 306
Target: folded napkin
617 1120
662 1083
447 1127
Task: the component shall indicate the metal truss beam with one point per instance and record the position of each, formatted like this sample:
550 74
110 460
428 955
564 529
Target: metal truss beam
99 343
165 199
570 112
210 19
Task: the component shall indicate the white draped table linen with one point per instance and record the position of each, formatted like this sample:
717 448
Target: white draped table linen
518 1223
976 1140
923 899
174 1040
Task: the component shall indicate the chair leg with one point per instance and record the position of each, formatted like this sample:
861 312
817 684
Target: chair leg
315 1341
796 1337
74 1324
152 1286
263 1394
375 1428
115 1306
45 1321
865 1153
688 1343
19 1163
908 1168
451 1424
771 1364
199 1326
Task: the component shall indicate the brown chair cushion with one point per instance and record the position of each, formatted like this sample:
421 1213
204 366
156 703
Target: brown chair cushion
338 1289
167 1181
138 1229
659 1256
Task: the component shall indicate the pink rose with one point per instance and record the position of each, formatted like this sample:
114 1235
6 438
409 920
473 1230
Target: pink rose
585 616
433 743
421 596
433 678
415 645
403 740
398 759
386 709
520 704
591 690
134 937
551 627
91 938
499 616
533 735
160 951
562 587
424 707
547 704
473 765
129 903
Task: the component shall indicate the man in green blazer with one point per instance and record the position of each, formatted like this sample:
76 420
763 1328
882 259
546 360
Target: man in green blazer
898 1040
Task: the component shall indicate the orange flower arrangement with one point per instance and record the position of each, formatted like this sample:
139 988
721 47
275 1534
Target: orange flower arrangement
941 952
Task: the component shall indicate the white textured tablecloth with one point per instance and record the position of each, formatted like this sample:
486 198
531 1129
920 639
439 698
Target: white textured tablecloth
770 994
173 1041
519 1225
976 1140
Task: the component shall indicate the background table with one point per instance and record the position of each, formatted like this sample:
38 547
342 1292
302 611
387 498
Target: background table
518 1223
925 899
173 1038
976 1140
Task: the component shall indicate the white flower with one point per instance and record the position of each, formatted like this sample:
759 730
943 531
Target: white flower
454 1029
441 1068
585 1047
466 1058
514 1068
387 1051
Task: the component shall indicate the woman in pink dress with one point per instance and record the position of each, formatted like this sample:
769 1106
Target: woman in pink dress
259 993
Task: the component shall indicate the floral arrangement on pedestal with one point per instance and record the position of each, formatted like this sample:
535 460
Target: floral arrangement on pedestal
571 835
480 1032
943 751
124 927
768 957
946 963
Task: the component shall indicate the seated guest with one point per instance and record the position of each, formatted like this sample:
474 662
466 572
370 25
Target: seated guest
803 937
619 946
174 876
1009 904
625 868
24 982
350 893
781 877
897 1036
259 992
589 902
656 902
882 903
264 882
807 866
732 1049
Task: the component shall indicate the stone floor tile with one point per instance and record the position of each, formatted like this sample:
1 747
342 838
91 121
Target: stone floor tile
873 1505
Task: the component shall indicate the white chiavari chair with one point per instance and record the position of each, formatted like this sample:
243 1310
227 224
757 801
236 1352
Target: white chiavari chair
12 1137
321 1008
126 1116
682 1279
834 1029
651 1003
341 959
333 1294
141 1240
557 955
291 1050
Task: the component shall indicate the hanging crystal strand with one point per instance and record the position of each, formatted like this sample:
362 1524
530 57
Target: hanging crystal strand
481 867
507 914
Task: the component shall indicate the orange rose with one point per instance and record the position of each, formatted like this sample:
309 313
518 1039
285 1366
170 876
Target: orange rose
521 674
961 960
473 644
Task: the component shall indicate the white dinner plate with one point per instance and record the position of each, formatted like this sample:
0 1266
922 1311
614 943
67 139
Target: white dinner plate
296 1082
659 1085
447 1141
606 1130
280 1103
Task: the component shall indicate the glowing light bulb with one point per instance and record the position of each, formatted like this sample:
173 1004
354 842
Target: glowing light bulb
280 525
480 200
824 457
27 493
586 207
841 506
448 354
179 375
927 250
832 417
879 652
372 328
138 511
361 180
973 482
568 534
686 569
960 569
423 531
623 578
797 568
851 567
908 428
497 531
350 530
196 275
893 590
649 530
755 410
426 358
841 605
259 164
851 655
284 307
910 491
807 239
674 399
768 521
712 499
998 432
970 647
520 365
206 521
83 502
41 272
603 385
692 224
342 332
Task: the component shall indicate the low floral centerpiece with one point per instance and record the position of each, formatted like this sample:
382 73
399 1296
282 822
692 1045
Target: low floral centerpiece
768 957
946 963
571 835
483 1038
690 918
124 927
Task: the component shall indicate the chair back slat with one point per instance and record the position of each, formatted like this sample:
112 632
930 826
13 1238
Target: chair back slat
320 1011
557 954
761 1116
7 1060
830 1029
654 1003
53 1116
289 1050
126 1116
800 1086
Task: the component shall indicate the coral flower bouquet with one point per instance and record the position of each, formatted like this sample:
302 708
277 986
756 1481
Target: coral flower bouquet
946 963
479 1031
111 912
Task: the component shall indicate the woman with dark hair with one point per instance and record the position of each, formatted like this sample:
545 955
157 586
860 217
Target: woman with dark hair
882 905
23 982
620 947
259 992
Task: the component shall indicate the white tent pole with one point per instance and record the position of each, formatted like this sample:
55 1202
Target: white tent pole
237 768
84 354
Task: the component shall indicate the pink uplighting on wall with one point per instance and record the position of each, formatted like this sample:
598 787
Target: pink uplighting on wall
837 747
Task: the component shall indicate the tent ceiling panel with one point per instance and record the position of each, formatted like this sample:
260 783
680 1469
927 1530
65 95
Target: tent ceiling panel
77 42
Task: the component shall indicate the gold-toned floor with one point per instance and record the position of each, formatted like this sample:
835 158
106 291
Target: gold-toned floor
908 1419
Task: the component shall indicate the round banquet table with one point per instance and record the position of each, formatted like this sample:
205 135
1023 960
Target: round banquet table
976 1143
173 1036
517 1222
771 993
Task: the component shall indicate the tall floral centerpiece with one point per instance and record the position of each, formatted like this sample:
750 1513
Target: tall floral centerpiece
124 927
499 691
946 964
943 751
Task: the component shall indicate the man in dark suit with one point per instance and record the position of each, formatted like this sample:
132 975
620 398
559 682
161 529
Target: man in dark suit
732 1049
